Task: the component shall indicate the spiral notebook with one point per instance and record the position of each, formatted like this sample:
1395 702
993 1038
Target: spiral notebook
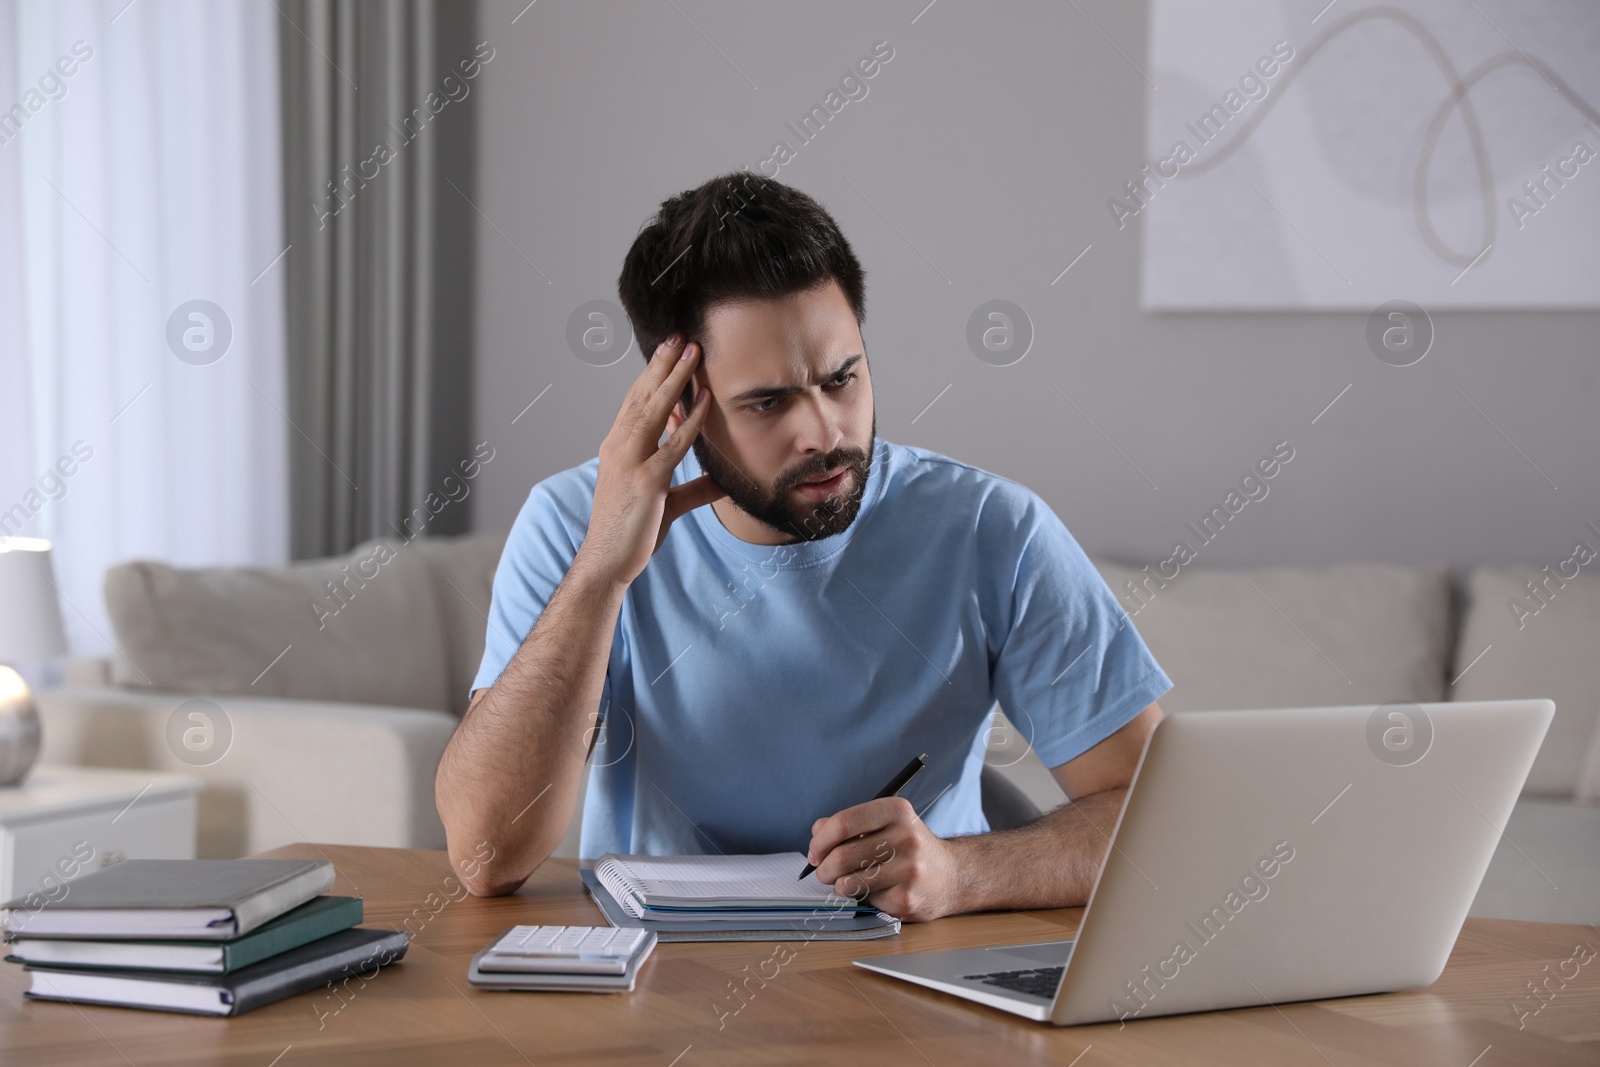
729 898
705 887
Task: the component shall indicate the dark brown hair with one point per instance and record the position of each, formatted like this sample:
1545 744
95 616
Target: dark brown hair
739 236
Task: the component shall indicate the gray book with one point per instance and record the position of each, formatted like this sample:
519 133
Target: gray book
158 900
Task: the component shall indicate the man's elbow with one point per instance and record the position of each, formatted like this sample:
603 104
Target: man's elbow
493 883
487 872
490 863
494 868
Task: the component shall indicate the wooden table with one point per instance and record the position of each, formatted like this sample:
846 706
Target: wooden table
817 1009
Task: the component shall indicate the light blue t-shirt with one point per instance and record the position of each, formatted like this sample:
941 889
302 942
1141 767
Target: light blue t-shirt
754 688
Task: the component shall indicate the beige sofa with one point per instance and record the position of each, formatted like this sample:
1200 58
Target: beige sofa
333 686
338 683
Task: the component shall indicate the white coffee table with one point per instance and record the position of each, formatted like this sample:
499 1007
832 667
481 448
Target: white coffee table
63 822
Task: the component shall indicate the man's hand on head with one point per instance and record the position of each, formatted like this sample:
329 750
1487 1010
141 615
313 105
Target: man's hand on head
634 498
883 851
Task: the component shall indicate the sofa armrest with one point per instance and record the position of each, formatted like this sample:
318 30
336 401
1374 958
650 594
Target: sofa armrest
1010 756
289 770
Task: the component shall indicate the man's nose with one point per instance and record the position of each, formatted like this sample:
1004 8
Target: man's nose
820 430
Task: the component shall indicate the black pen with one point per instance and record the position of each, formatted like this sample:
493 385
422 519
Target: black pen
897 783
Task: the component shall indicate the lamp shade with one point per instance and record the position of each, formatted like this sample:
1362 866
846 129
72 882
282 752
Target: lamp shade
30 613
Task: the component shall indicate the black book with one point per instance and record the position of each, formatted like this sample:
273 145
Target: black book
346 954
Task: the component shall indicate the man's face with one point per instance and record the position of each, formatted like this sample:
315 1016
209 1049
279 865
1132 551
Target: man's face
791 405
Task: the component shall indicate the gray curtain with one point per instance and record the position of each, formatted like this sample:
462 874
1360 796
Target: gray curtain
379 143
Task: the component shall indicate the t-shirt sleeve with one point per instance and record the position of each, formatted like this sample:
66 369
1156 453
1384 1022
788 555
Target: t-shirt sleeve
1072 669
538 551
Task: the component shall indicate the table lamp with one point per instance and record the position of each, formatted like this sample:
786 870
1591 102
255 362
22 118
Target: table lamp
30 631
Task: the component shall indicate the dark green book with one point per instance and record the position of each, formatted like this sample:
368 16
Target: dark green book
314 919
347 954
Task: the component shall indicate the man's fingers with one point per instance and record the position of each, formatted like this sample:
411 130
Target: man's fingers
651 416
649 380
677 446
682 499
865 818
661 363
864 861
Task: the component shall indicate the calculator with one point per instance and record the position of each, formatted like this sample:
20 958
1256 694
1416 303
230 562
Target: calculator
564 950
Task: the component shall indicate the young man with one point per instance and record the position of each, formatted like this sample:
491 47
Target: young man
767 629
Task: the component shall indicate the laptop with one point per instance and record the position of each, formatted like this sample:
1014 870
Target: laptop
1272 856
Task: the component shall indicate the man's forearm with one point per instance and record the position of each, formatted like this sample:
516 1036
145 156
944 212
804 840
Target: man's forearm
510 774
1051 862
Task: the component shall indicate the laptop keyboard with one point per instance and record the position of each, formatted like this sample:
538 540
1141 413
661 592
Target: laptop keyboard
1041 982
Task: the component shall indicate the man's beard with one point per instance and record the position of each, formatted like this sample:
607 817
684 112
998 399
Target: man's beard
807 520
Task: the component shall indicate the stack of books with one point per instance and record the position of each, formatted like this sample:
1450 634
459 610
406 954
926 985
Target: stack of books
729 898
207 937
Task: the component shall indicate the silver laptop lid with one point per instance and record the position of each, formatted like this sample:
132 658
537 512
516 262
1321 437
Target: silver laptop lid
1290 854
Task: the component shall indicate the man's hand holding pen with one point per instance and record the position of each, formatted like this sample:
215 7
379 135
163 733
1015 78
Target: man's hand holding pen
882 850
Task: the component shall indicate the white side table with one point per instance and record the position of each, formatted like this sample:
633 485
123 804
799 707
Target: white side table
63 822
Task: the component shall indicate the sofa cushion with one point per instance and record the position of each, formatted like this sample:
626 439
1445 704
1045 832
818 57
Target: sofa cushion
1536 648
1293 636
362 628
463 572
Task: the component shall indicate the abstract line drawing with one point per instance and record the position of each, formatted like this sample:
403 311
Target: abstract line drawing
1257 181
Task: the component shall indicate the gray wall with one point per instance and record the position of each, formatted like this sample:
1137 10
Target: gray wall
977 167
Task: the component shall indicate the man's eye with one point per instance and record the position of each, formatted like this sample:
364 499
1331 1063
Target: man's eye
839 381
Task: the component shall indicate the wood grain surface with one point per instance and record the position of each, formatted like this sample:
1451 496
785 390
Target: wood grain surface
802 1002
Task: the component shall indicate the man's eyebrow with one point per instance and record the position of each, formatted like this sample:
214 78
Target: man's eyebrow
765 391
